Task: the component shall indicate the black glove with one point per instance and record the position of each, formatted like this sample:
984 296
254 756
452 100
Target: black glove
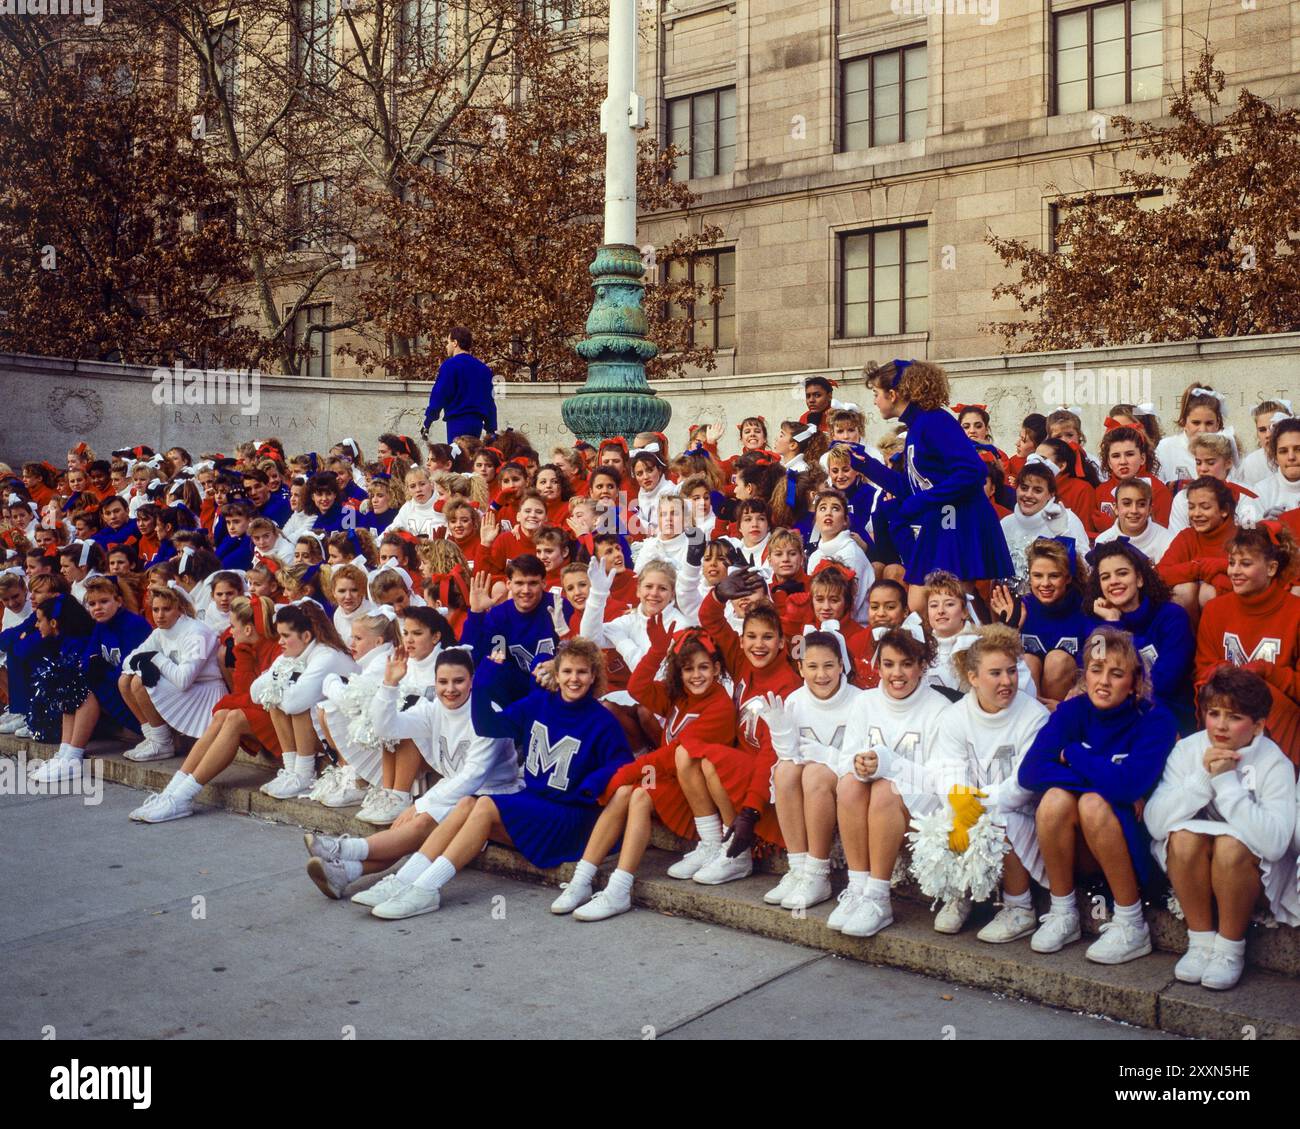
424 433
695 543
98 668
741 832
791 586
738 584
409 701
735 558
138 660
297 674
149 674
230 654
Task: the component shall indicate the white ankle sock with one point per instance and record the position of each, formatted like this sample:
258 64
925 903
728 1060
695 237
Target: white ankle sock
796 860
74 752
186 786
817 868
289 761
583 873
358 850
620 885
1131 915
1201 940
710 828
1066 904
1234 949
437 876
305 765
352 868
877 889
1018 901
858 880
416 865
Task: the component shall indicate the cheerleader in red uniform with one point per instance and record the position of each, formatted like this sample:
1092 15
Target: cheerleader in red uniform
1127 455
236 720
1195 566
673 781
1257 625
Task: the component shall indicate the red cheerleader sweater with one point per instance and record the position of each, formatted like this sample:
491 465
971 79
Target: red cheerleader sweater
1076 494
1193 556
1161 501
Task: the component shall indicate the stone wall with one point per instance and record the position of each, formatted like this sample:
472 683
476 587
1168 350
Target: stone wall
55 402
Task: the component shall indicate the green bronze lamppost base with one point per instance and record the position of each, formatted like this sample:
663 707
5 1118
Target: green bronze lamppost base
616 399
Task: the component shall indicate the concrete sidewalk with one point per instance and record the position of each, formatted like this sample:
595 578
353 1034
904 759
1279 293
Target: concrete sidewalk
209 928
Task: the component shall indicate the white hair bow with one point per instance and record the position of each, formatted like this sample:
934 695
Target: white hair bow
807 433
648 449
1198 391
1145 409
387 612
388 566
1036 459
351 445
832 627
84 555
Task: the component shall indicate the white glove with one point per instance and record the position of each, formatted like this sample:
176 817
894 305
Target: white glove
602 582
780 725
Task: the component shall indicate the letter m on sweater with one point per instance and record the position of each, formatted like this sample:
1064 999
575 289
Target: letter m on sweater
1266 650
555 759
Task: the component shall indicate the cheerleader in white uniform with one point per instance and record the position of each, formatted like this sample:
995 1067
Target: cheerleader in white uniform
981 741
221 588
670 542
1222 820
837 543
293 686
349 588
808 732
1037 514
648 468
469 763
1200 409
344 713
1280 490
424 634
173 679
890 736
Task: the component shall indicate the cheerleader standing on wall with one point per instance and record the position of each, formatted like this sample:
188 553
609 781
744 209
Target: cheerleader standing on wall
940 515
574 745
173 678
293 686
469 764
1221 822
808 735
891 730
675 780
980 743
1092 766
235 718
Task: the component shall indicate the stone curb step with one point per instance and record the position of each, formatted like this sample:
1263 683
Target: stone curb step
1144 992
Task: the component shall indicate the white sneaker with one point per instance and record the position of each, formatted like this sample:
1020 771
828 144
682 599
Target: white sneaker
388 805
275 781
410 901
1055 931
12 722
150 751
811 890
326 782
952 916
387 887
24 731
601 906
1120 942
723 869
1223 970
289 786
572 895
371 799
324 847
57 768
150 801
330 877
1010 923
783 889
1192 964
166 807
695 860
872 915
348 789
849 902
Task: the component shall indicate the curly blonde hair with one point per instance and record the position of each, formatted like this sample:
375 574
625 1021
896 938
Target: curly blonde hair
922 382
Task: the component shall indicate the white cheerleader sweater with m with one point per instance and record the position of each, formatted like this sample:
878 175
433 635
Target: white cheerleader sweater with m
820 725
902 732
984 750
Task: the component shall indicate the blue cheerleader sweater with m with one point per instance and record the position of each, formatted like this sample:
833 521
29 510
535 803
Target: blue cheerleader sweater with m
1062 626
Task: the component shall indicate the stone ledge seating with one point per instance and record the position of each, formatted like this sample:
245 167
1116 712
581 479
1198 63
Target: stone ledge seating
1265 1005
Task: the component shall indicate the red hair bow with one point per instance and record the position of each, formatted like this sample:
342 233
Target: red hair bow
406 535
617 441
843 570
1110 424
442 582
684 635
958 409
1273 529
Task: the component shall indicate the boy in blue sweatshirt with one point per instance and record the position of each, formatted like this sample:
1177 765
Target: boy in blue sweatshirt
463 390
524 627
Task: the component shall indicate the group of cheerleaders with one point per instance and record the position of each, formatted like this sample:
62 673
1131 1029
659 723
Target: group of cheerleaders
1052 668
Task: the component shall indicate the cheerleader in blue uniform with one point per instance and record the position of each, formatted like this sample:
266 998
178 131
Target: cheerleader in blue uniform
574 747
939 514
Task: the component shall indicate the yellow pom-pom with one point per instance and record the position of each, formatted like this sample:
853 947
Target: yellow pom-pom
966 811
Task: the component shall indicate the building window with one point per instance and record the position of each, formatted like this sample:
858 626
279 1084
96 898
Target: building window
883 98
712 325
1146 202
703 126
311 200
1107 55
884 281
223 42
222 214
422 33
558 15
314 359
312 31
